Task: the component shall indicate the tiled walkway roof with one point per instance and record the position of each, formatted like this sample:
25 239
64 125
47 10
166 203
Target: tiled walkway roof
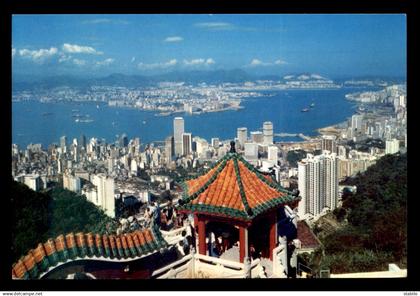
83 246
306 236
233 188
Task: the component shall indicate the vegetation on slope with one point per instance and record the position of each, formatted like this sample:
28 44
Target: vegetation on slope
38 216
376 230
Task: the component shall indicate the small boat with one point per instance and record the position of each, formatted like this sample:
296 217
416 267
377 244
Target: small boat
144 121
304 110
97 106
312 105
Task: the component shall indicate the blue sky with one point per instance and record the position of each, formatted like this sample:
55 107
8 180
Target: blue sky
332 45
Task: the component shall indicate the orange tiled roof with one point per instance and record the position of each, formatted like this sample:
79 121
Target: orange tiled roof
234 188
75 246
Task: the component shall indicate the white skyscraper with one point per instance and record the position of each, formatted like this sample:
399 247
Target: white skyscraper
356 122
72 183
318 183
178 131
105 193
257 137
215 142
33 181
268 133
242 135
273 154
392 146
251 152
63 144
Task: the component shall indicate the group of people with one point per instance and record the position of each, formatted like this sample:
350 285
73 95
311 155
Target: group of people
218 245
167 218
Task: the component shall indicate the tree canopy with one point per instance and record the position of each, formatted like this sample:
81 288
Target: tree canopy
376 232
38 216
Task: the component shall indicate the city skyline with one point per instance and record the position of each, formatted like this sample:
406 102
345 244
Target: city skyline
332 45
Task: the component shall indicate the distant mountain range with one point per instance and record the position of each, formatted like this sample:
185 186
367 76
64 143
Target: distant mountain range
194 77
25 82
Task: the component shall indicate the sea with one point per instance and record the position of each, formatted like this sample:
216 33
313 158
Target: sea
36 122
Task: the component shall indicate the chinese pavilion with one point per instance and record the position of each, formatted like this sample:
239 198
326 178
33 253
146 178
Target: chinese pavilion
234 193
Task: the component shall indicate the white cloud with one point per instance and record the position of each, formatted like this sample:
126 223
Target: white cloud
280 62
105 62
105 21
194 62
258 62
165 65
13 52
215 25
173 39
38 55
200 61
74 48
79 62
64 58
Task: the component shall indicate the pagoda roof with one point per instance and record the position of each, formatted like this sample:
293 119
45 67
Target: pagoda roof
233 188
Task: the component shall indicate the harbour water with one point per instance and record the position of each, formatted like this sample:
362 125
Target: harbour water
31 125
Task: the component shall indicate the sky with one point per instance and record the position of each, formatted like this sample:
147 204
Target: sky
279 44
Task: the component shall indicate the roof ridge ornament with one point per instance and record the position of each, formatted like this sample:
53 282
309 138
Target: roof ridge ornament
232 147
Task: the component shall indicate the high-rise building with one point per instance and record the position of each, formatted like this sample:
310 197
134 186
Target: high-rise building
215 142
328 143
63 144
201 146
105 193
123 140
392 146
178 131
82 141
318 183
268 133
257 137
169 148
72 183
251 151
33 181
356 122
273 154
242 135
186 143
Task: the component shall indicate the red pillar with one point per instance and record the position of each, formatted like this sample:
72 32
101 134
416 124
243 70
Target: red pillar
273 233
243 243
202 236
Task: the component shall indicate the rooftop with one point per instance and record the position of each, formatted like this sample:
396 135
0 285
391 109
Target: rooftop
233 188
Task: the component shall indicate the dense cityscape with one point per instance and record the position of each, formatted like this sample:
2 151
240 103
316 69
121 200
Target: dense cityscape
251 205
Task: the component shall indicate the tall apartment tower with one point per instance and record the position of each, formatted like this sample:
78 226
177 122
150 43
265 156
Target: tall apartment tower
105 193
257 137
169 148
186 143
392 146
178 131
356 122
63 144
328 143
242 135
268 133
318 183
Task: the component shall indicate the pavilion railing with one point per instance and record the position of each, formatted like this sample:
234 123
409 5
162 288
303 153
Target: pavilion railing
202 266
280 261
